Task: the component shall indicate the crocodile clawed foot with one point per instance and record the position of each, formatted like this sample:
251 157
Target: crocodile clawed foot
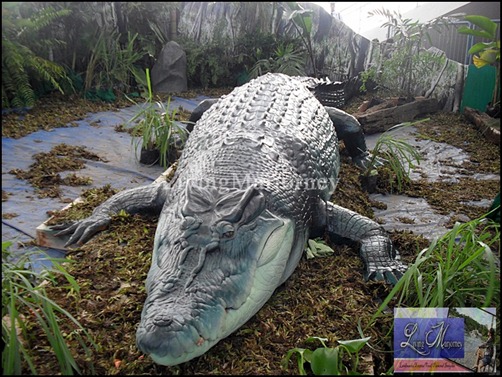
389 274
367 161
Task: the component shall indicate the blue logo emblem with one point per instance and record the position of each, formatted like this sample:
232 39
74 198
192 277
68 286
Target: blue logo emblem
431 338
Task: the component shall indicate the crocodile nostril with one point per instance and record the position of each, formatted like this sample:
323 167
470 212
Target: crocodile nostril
163 320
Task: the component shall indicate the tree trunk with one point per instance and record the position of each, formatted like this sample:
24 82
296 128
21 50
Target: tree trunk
488 126
173 24
388 114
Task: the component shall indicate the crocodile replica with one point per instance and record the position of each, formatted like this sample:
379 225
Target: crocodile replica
252 186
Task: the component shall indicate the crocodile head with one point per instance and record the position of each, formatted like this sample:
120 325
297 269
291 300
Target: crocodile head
218 257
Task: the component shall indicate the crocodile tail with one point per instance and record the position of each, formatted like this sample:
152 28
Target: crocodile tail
327 92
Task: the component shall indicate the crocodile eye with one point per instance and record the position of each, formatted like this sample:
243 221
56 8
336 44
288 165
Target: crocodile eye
228 234
226 230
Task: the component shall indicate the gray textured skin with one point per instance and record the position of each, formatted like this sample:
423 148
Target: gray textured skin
251 187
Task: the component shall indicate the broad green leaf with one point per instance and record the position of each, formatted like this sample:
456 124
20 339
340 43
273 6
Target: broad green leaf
484 23
355 345
325 361
313 338
308 23
489 56
476 33
480 47
303 356
303 19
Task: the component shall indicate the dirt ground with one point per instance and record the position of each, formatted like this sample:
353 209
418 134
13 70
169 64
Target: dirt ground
325 297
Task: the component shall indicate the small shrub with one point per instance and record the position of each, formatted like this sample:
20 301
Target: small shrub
399 72
328 360
111 66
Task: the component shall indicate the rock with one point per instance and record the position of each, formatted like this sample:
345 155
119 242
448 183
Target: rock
169 72
364 106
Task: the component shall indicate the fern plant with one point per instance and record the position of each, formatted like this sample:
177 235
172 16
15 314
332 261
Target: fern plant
21 66
287 60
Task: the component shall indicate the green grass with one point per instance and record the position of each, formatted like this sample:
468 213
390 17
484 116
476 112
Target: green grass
460 269
398 155
24 299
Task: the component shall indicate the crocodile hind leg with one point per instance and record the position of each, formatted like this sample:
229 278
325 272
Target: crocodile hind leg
380 257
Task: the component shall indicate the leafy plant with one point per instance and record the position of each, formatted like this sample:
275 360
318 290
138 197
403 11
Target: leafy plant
210 64
485 53
328 360
24 300
156 126
367 77
391 79
408 36
102 39
153 22
288 58
460 269
22 68
249 48
318 248
111 65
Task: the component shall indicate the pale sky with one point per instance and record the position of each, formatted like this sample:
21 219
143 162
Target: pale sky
355 14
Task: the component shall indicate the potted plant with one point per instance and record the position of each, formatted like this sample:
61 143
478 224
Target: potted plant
156 131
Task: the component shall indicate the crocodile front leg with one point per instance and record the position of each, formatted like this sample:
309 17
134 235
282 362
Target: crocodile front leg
349 130
381 259
201 108
145 198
